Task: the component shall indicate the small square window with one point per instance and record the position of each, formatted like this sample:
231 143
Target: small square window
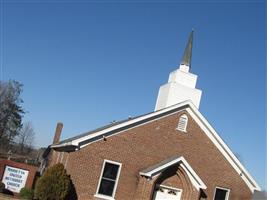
221 194
108 179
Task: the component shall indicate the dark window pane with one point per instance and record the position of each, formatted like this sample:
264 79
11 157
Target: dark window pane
106 187
220 194
110 171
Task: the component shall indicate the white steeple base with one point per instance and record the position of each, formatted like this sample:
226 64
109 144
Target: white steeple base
180 87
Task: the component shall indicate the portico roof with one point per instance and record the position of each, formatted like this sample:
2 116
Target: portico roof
154 170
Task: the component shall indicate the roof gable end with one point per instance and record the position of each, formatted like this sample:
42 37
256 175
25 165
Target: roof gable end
156 169
86 139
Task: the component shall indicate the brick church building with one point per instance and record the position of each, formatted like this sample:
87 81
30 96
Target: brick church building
171 153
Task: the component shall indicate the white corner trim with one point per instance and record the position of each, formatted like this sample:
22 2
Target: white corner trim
223 148
194 178
100 178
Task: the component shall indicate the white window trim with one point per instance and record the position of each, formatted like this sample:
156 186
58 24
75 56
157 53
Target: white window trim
101 196
168 187
171 188
227 194
186 122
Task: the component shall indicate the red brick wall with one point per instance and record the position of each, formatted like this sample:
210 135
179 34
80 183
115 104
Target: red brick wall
147 145
32 170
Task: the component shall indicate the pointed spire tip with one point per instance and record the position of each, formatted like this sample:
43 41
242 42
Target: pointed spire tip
186 60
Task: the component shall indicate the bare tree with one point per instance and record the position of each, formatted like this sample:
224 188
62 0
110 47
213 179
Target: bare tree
11 112
26 137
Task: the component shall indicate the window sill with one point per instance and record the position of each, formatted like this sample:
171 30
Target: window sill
101 196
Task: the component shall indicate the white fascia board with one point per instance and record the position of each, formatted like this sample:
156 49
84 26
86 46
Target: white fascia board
194 178
90 136
166 165
62 145
223 148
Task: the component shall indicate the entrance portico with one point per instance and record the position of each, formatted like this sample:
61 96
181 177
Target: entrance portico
172 179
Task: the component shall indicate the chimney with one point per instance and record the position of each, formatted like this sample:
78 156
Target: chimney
58 132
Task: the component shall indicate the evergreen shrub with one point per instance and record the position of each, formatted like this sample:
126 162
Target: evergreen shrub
2 187
26 193
55 184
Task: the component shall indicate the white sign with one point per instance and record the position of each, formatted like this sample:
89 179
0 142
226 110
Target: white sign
14 178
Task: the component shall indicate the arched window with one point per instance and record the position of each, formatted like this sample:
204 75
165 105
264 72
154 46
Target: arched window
182 124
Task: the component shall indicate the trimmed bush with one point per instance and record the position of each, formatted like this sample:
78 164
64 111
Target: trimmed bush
54 184
26 193
2 187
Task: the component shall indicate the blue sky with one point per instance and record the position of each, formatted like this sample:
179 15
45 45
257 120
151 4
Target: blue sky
86 64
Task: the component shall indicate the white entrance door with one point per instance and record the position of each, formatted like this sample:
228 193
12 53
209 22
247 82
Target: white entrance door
167 193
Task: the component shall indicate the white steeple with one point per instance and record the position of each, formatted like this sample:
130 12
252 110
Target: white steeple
181 85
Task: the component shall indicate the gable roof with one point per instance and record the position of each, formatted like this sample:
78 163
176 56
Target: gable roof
93 131
106 131
83 140
161 166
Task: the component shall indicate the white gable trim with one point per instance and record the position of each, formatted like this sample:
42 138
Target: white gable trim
200 120
223 148
194 178
76 142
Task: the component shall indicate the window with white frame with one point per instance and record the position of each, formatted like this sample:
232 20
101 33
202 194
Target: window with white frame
221 193
109 178
182 124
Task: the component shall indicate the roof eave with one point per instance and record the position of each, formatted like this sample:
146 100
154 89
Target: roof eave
102 132
68 147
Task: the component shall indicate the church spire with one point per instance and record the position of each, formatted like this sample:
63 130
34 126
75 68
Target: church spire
181 85
188 51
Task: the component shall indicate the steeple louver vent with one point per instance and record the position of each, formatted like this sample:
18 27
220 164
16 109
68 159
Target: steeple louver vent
182 124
